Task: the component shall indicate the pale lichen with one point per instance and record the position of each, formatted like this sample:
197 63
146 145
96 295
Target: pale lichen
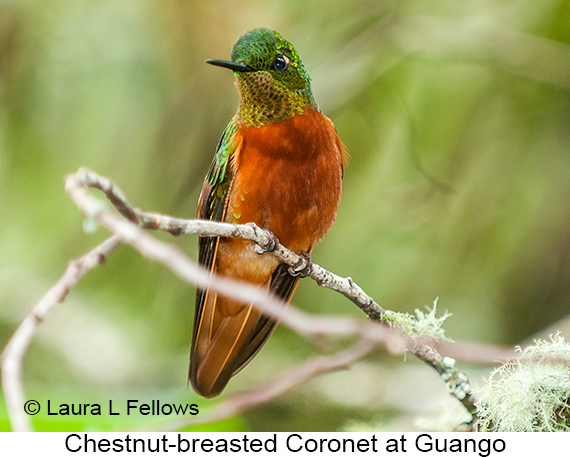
529 394
423 324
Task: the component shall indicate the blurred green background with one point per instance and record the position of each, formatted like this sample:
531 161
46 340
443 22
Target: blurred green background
457 117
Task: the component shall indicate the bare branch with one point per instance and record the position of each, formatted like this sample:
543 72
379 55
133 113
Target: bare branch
15 349
173 258
303 323
156 221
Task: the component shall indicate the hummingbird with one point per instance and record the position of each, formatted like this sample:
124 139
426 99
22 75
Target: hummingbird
279 164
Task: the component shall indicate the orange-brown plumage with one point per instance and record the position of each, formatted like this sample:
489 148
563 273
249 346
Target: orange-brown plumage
288 178
285 176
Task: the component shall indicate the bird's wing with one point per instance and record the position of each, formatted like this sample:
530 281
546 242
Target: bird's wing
213 197
211 206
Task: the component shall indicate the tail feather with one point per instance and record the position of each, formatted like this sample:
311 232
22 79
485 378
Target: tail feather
229 333
213 361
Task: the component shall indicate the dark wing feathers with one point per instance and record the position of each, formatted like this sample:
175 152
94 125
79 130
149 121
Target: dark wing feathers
282 285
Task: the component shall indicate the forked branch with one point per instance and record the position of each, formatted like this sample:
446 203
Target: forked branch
455 380
129 229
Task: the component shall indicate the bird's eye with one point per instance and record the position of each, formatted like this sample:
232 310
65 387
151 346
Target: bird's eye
281 62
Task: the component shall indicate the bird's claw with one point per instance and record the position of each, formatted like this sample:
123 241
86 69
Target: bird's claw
303 268
269 245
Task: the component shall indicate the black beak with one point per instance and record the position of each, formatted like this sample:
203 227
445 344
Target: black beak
240 67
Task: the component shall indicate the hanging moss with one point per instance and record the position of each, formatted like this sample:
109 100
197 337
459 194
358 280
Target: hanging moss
530 394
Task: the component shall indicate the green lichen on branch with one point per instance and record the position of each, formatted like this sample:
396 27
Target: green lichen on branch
529 394
423 324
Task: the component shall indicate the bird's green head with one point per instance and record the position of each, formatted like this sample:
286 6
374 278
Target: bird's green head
272 80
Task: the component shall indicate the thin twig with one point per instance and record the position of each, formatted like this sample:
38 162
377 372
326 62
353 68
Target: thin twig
479 353
456 380
14 351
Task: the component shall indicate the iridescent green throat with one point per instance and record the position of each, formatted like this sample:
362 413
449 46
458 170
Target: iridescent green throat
264 100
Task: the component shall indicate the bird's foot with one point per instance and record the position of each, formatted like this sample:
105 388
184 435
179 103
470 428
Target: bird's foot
304 267
269 245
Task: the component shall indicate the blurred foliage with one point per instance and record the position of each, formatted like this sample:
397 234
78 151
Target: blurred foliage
457 117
